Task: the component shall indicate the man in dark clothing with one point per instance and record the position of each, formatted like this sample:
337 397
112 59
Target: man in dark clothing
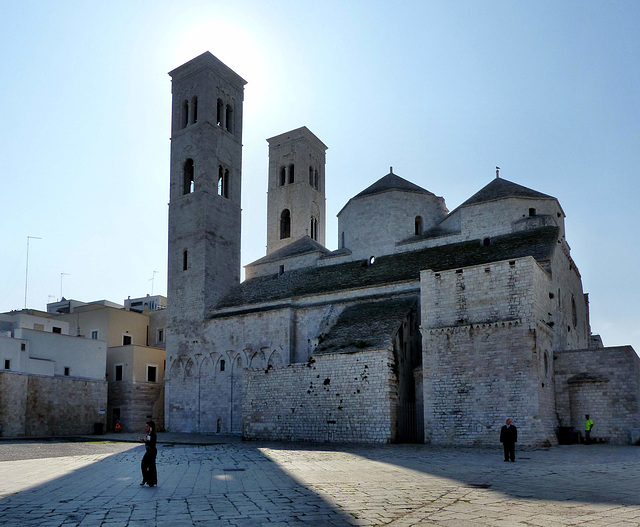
508 438
148 465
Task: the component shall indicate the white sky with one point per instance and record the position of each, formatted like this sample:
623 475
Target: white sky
442 91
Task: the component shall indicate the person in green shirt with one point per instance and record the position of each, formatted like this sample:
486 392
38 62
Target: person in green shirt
588 426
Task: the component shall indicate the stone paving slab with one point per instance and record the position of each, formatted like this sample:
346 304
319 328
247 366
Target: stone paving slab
271 484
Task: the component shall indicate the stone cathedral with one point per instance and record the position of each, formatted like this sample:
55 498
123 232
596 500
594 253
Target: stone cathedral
425 325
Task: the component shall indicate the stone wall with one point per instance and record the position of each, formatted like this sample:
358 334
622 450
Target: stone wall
483 354
34 405
138 402
348 397
603 383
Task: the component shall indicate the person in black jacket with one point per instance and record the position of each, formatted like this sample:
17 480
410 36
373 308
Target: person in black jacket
148 465
508 438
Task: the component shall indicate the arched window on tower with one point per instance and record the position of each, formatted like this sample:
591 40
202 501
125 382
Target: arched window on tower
285 224
418 226
229 118
219 109
283 176
185 260
188 181
314 228
315 179
225 185
184 117
311 176
194 105
291 173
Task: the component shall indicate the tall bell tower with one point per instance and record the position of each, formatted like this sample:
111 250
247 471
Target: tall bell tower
205 189
296 196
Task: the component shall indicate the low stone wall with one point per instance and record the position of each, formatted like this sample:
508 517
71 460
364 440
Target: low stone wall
342 397
33 405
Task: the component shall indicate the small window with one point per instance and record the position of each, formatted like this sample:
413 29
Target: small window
574 312
160 335
127 340
219 108
56 329
94 334
418 226
486 242
532 212
222 365
546 364
23 346
67 371
285 224
283 176
291 173
185 260
188 177
315 179
314 228
311 176
185 114
281 270
152 373
7 364
229 117
118 371
342 240
194 104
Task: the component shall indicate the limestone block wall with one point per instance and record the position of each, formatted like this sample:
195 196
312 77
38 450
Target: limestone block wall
13 403
483 354
34 405
138 402
348 397
604 383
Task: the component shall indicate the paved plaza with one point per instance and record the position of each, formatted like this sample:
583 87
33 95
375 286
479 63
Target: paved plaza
96 483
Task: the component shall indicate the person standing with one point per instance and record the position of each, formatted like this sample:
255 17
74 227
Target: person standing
508 438
148 465
588 426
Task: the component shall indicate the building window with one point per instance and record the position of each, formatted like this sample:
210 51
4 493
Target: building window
311 176
160 335
229 118
532 212
574 312
281 270
314 228
56 329
7 364
418 225
219 108
283 176
152 373
223 182
23 346
188 177
67 371
194 104
222 365
285 224
342 240
185 260
185 114
486 242
291 173
546 364
94 334
127 340
118 372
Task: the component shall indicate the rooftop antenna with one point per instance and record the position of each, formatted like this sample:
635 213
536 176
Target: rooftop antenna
26 273
61 275
497 172
152 280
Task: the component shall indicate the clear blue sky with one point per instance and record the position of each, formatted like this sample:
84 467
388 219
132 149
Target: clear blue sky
442 91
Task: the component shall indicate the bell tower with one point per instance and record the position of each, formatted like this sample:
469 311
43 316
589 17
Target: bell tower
205 189
296 195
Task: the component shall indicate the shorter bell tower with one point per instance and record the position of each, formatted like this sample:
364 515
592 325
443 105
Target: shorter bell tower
296 194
